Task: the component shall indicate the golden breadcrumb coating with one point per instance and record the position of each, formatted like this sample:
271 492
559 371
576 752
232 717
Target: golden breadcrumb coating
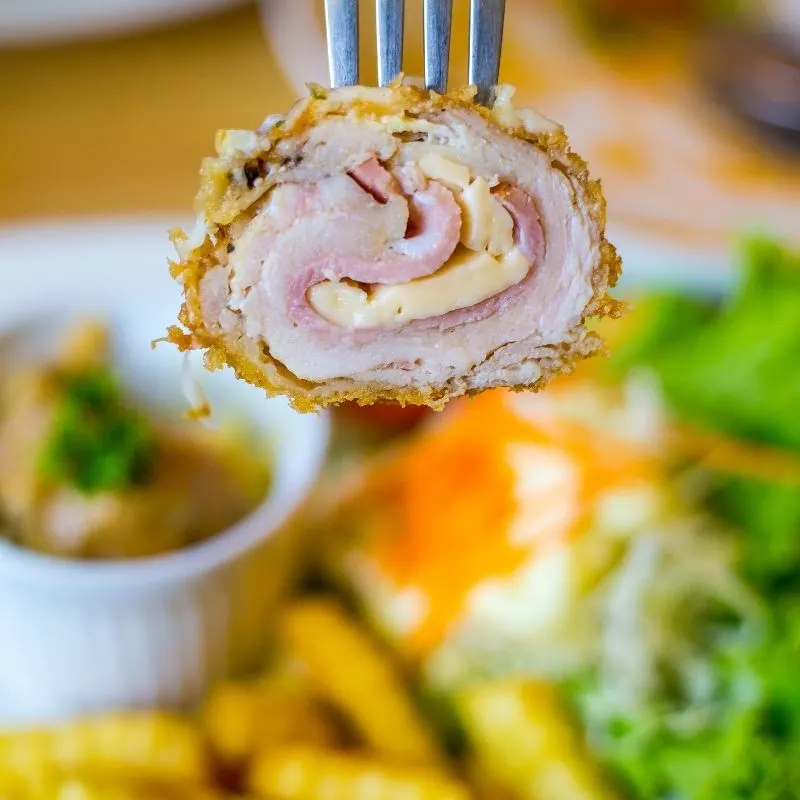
249 164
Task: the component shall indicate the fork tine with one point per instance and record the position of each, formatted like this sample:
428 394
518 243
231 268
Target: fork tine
390 39
485 39
437 16
341 22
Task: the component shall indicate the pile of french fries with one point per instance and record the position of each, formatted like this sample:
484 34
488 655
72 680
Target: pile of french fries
334 721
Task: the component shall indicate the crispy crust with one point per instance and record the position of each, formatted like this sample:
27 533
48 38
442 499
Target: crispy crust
249 164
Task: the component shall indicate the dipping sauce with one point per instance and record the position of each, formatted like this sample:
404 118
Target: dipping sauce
87 473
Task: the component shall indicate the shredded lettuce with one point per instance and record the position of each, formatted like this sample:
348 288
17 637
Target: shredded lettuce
743 744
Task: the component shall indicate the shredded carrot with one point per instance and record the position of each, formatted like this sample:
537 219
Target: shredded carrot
448 506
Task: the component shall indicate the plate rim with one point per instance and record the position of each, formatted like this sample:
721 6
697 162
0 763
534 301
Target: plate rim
63 27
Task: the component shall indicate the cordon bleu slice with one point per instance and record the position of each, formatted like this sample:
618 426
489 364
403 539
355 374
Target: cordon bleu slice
394 244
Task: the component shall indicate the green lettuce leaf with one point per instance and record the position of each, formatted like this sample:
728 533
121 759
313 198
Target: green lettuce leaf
732 366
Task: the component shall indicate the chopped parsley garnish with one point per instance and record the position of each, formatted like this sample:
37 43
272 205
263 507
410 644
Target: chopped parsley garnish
97 442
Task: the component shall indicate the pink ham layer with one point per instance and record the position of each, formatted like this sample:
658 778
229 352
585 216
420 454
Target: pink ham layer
434 229
432 236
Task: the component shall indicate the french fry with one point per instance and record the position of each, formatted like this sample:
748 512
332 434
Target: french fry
525 743
358 678
151 746
81 788
482 785
240 718
299 773
17 785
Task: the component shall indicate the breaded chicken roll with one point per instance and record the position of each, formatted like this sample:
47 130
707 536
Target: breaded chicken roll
395 244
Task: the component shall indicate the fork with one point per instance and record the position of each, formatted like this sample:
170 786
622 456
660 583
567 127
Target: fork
485 40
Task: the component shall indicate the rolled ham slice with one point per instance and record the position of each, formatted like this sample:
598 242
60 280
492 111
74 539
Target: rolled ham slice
395 244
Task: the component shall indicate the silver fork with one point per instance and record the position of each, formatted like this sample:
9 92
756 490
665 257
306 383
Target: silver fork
485 40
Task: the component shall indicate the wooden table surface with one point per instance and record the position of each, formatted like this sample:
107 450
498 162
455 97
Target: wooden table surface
120 126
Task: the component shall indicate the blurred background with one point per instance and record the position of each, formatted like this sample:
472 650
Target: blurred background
697 98
589 594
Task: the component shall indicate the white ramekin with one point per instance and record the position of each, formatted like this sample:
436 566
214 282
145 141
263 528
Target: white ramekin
84 636
76 636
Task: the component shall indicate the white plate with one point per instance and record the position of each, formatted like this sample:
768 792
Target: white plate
119 267
39 262
39 21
